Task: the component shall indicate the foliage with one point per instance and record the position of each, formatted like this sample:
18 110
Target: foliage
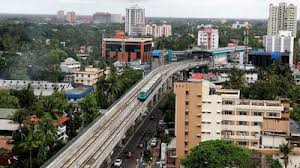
88 109
114 86
7 100
236 79
25 96
285 149
217 153
168 108
272 163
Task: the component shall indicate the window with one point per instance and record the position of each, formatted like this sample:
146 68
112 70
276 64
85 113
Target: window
242 143
227 122
272 114
256 123
227 102
226 112
186 113
186 143
186 103
186 133
186 123
187 92
243 123
257 113
243 113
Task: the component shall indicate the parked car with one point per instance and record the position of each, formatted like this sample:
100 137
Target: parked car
118 163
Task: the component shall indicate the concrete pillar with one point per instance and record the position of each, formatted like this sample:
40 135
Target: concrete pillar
181 77
108 159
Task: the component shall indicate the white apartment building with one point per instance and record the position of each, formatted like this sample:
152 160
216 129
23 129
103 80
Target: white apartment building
159 31
283 42
204 112
282 17
40 88
135 21
70 65
239 25
88 77
208 38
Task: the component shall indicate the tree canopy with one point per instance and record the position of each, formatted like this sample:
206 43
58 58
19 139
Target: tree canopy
215 154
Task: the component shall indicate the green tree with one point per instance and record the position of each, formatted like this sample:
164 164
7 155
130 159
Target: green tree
168 108
236 79
88 109
31 141
285 149
25 96
217 153
7 100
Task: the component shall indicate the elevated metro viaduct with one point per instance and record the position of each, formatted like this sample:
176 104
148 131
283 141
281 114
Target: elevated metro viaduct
96 143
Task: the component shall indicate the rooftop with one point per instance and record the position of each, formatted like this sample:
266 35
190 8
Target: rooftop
128 39
294 127
6 113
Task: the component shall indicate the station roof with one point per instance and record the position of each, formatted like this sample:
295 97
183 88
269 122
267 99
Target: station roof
222 50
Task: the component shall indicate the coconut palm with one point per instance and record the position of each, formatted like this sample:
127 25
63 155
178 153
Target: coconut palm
285 149
31 141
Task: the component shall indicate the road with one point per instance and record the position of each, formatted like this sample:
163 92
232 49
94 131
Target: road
143 134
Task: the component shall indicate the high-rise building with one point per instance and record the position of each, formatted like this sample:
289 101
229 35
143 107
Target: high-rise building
159 31
135 21
61 15
116 18
71 17
102 17
282 17
204 112
208 38
283 42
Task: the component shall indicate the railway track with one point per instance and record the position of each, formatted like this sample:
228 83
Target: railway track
108 130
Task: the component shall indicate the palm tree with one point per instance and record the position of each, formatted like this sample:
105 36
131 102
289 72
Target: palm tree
285 149
31 141
113 89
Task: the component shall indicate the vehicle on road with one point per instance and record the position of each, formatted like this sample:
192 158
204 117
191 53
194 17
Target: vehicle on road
153 142
118 163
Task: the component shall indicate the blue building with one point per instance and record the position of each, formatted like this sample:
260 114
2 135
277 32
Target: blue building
77 94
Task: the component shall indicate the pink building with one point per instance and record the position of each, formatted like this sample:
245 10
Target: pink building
71 17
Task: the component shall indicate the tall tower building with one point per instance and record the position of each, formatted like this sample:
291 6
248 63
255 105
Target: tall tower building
282 17
208 38
71 17
61 15
135 21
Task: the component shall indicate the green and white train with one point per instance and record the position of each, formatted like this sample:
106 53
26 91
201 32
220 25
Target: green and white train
149 87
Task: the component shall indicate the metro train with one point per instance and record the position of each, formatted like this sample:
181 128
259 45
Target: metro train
149 87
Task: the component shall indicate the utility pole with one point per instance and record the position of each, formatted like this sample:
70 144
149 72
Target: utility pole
246 43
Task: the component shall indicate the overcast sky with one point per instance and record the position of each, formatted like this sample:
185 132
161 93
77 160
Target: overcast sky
164 8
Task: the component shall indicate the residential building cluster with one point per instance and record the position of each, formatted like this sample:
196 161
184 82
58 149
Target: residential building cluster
208 38
282 17
206 112
104 17
159 31
97 18
239 25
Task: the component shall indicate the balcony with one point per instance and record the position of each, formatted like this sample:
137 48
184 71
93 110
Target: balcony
61 129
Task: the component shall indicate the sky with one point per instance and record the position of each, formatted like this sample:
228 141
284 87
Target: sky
154 8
